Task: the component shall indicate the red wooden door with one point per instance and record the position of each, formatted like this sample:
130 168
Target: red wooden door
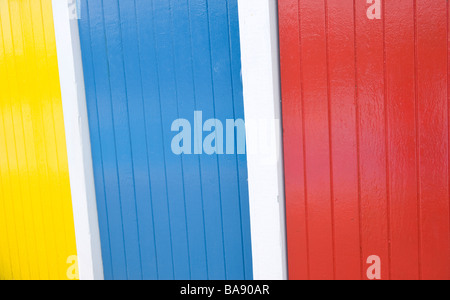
366 137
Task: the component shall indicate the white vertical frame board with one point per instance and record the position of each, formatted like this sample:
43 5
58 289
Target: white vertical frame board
258 21
65 16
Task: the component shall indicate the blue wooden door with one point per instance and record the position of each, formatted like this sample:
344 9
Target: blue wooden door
146 64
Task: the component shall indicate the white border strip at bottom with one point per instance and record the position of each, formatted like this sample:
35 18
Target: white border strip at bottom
260 73
78 141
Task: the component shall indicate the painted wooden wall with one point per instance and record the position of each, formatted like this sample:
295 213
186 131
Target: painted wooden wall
36 223
146 64
366 132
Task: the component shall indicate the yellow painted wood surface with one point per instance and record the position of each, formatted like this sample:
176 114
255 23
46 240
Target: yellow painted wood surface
36 221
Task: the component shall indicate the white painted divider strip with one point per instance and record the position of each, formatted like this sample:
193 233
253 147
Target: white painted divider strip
77 140
260 74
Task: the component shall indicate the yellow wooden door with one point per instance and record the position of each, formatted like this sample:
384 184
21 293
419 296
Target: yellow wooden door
37 233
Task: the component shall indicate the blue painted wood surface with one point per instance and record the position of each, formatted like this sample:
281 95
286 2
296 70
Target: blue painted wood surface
147 63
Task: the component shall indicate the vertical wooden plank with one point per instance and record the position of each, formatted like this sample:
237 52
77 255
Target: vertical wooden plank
448 91
293 135
24 45
203 83
6 235
122 132
124 155
433 138
38 128
372 137
8 160
258 49
136 116
155 135
16 67
186 104
343 126
400 93
223 105
317 138
5 249
32 124
169 113
5 256
96 32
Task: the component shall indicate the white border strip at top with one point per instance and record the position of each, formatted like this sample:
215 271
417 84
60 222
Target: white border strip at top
260 74
78 141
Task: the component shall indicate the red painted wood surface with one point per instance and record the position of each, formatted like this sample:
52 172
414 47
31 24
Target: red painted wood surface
366 137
